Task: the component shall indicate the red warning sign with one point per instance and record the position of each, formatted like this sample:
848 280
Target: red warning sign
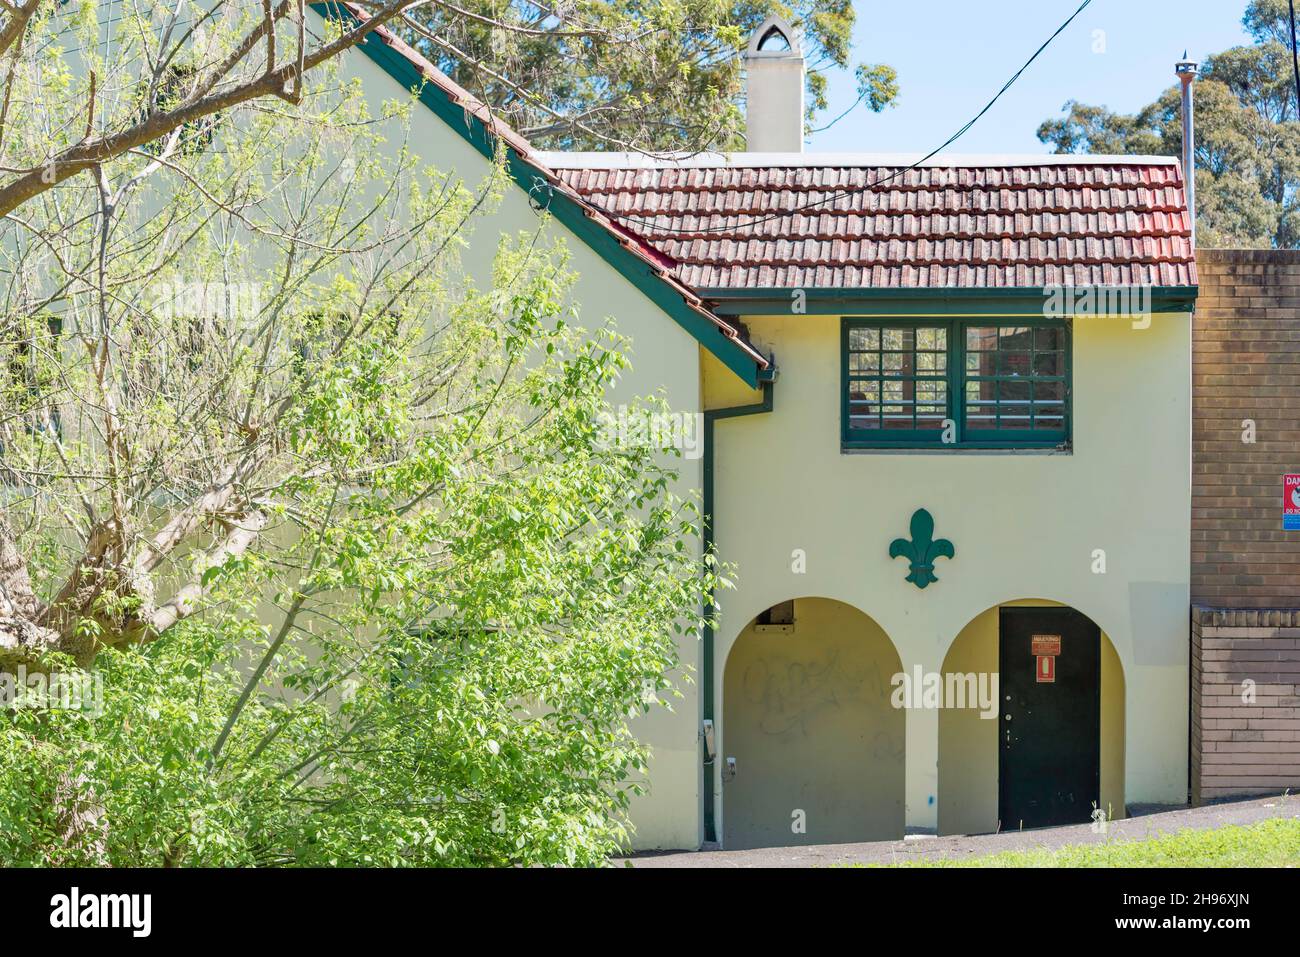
1045 645
1291 502
1046 669
1045 648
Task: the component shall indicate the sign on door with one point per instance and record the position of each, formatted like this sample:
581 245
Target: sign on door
1045 648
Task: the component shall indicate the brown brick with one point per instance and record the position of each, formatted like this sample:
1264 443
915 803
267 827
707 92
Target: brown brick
1246 364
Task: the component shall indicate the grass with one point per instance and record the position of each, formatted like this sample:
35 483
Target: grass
1272 843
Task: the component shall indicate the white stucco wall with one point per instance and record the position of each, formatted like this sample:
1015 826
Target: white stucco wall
665 361
1025 525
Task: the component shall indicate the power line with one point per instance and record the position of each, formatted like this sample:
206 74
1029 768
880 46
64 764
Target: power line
870 186
1295 62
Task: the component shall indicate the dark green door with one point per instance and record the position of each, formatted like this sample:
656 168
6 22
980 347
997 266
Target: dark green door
1049 754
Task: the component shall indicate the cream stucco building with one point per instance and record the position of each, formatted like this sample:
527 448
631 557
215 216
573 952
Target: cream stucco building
871 341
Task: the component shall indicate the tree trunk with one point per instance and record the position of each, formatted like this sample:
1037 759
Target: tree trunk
22 638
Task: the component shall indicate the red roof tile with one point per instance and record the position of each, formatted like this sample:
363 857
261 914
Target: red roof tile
1027 223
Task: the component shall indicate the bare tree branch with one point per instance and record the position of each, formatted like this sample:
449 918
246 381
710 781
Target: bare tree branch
87 154
16 23
243 532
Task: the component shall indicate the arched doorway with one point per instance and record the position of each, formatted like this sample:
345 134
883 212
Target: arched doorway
969 744
811 749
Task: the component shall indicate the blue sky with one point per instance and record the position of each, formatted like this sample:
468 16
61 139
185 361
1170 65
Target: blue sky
953 55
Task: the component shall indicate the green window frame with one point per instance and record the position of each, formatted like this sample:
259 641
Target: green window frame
1002 382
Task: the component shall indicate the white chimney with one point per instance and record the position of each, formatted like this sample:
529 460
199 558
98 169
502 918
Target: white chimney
774 89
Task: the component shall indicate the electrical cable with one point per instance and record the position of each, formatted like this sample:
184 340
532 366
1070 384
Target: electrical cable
659 229
1295 61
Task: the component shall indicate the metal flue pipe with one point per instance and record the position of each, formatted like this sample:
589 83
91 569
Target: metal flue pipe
1187 71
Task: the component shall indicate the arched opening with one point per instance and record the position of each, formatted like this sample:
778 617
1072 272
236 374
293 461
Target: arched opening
774 40
811 748
775 37
969 744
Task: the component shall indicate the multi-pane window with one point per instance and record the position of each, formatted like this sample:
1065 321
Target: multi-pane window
1015 379
898 378
970 383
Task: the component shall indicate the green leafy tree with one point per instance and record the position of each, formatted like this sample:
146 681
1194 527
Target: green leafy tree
335 519
595 74
1247 136
584 73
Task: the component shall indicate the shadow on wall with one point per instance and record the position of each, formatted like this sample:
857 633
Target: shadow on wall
817 746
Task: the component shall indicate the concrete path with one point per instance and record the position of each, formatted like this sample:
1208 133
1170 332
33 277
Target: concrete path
1145 823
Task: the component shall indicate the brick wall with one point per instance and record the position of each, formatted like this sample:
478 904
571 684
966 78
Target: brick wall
1245 568
1245 365
1243 746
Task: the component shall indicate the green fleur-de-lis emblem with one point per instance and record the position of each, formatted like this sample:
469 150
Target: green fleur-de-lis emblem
922 550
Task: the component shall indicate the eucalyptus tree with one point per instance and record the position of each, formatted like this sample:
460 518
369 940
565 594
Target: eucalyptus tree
596 74
1247 135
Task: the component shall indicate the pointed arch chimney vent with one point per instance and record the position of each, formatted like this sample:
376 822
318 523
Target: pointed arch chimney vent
774 89
774 40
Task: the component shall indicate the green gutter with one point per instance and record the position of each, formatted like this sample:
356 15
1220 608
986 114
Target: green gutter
560 205
914 302
707 665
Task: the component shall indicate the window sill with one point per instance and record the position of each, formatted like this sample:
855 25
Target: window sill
959 450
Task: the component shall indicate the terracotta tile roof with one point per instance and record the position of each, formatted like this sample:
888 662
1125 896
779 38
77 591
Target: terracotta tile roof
993 223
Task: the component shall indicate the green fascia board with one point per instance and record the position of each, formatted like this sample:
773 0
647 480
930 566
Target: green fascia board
912 302
564 208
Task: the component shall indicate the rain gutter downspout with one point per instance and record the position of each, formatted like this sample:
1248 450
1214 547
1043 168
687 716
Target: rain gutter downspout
768 386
